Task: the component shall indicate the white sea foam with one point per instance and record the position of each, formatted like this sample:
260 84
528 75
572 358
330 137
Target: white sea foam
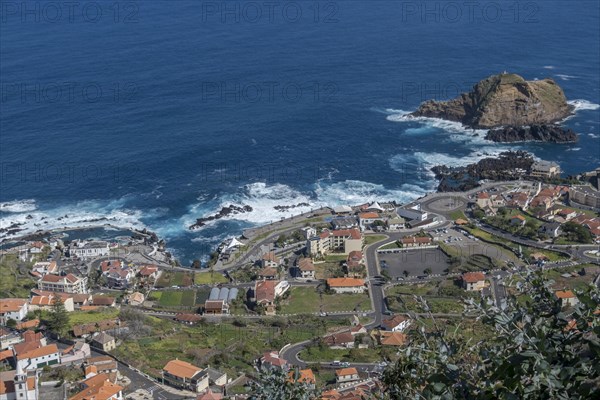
18 206
448 126
78 215
565 77
549 67
573 149
593 135
581 104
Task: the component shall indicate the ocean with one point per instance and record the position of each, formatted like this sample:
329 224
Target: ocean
155 113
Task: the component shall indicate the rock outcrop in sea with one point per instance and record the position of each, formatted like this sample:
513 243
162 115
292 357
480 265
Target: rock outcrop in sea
536 133
508 165
224 212
503 100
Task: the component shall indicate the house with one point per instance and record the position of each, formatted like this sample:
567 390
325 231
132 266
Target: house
550 229
99 387
118 277
340 210
81 300
9 338
366 219
415 241
190 319
346 285
68 283
305 376
517 220
36 247
354 264
84 330
483 200
358 330
184 375
461 222
518 200
19 385
104 341
103 365
15 309
271 359
346 375
31 324
76 353
392 338
38 358
538 257
135 299
268 273
473 281
149 272
103 301
395 223
306 268
209 395
397 323
544 169
47 302
340 340
344 223
216 307
215 377
567 298
566 213
265 293
42 268
270 260
94 249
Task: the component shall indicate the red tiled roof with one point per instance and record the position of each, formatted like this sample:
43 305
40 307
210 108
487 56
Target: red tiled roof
368 215
181 369
353 233
345 282
565 294
473 277
11 305
346 371
39 352
265 291
306 264
394 321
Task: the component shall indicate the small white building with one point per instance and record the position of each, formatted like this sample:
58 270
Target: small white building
346 375
15 309
38 358
346 285
83 249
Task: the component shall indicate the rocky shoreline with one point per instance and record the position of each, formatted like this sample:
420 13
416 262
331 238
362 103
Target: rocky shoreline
506 166
535 133
286 208
224 212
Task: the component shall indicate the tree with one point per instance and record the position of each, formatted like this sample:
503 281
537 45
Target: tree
58 319
274 384
11 323
538 352
405 273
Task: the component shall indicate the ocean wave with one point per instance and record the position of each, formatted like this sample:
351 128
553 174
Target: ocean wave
78 215
581 104
18 206
593 135
565 77
350 192
443 124
573 149
549 67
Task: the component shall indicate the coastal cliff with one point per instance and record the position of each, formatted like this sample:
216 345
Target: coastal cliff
503 100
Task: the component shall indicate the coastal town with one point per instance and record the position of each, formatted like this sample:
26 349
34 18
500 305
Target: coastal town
326 298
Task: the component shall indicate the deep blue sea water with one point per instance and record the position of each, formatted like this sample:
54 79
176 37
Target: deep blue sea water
155 113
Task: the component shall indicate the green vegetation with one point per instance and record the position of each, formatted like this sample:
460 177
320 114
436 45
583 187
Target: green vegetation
224 346
392 246
370 239
576 233
175 278
58 318
451 362
86 317
16 281
307 300
209 278
175 299
441 296
502 221
456 214
324 353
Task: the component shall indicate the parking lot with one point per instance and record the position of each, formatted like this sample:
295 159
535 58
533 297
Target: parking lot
469 245
414 261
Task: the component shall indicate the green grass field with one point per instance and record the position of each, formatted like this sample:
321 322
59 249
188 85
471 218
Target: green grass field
86 317
209 278
175 278
370 239
307 300
454 215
